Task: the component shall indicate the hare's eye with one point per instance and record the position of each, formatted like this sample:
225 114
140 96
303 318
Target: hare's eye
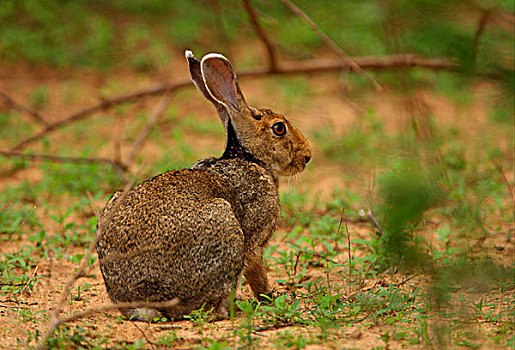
279 129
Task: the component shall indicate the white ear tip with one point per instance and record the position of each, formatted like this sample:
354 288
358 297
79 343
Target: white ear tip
214 55
188 53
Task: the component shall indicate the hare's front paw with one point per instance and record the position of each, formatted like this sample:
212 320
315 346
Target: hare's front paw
255 273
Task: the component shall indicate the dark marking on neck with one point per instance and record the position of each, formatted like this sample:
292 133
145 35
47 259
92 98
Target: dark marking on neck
233 148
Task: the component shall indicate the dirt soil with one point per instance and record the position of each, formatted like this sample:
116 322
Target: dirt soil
324 108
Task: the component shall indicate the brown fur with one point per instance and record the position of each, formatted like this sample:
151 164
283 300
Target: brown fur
190 234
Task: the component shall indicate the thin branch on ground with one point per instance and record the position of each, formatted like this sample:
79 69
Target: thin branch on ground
275 326
329 42
296 263
156 89
289 68
92 204
116 306
117 167
55 320
14 307
30 279
150 342
312 254
272 57
17 301
158 112
404 281
342 219
259 334
349 256
29 111
4 249
327 276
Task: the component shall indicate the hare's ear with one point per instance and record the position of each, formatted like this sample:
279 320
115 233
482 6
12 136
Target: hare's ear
196 77
220 81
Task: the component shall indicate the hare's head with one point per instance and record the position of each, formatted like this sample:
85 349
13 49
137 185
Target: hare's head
257 133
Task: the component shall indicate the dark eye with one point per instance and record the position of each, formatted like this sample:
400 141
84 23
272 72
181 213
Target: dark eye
279 129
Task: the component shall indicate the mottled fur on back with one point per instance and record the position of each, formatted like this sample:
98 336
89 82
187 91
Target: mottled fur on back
190 234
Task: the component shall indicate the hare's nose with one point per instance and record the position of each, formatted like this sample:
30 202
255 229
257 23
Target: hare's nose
307 159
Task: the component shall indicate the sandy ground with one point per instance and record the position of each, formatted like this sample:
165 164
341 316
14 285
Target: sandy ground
323 109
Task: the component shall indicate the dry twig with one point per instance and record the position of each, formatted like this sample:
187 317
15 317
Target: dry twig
329 42
140 140
144 335
312 254
30 279
156 89
272 59
11 239
110 307
55 320
349 256
92 203
30 112
290 68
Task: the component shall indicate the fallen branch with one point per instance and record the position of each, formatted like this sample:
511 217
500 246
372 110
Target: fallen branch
14 307
18 301
118 167
289 68
55 320
30 280
152 344
30 112
329 42
4 249
156 89
349 257
110 307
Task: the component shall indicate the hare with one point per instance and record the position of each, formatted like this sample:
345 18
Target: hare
190 234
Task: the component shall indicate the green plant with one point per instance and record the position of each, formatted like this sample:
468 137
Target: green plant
201 319
39 97
246 328
169 339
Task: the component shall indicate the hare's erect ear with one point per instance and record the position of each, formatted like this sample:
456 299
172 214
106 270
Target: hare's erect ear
196 77
220 81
